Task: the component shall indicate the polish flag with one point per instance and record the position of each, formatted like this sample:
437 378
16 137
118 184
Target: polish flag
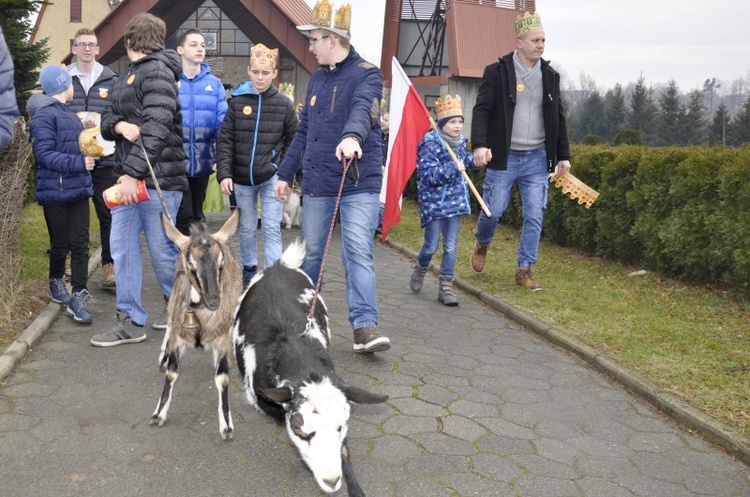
410 121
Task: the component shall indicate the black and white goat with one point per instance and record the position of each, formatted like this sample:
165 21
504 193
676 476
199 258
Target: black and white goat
287 371
208 282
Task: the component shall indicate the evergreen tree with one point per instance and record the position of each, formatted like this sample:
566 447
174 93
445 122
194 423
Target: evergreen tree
695 126
740 130
616 114
671 117
643 111
590 118
27 59
717 132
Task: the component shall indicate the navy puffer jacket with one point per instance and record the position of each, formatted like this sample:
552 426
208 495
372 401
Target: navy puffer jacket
8 105
61 174
147 97
204 103
98 99
257 132
340 103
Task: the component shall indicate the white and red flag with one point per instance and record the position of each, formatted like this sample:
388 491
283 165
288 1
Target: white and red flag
409 122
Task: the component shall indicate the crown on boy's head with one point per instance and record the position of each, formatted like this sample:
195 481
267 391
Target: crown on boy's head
261 54
343 18
529 22
323 18
287 89
448 107
322 14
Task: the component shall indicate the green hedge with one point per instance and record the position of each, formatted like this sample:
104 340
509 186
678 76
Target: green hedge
680 211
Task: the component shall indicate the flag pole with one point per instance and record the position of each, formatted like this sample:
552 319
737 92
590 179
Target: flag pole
463 173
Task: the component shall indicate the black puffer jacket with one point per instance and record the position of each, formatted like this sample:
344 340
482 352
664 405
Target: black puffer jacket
255 135
147 96
98 100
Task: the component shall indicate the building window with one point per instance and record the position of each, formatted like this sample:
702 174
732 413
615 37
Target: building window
75 10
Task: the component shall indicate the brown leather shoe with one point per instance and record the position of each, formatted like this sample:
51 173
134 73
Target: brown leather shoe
524 279
479 257
108 276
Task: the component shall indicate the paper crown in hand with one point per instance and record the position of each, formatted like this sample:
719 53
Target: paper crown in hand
448 107
323 18
287 89
575 189
529 22
262 55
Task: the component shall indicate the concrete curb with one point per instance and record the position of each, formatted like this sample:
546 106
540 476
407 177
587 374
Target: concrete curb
667 403
16 351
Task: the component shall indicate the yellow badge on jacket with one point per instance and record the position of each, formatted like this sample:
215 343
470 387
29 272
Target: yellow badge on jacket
131 78
520 88
247 110
312 101
103 93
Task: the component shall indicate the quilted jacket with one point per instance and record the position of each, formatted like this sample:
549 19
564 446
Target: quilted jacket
61 174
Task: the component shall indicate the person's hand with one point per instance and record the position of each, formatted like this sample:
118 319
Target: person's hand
482 156
90 163
461 166
130 132
281 190
128 186
348 148
562 167
227 186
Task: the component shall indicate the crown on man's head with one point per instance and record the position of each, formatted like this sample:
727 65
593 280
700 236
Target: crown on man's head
261 54
322 14
343 18
287 89
448 107
529 22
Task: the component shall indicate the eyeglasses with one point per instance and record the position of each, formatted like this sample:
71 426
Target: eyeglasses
86 45
312 40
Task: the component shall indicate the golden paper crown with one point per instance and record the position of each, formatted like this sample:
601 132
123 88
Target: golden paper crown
343 18
575 189
322 14
261 54
287 89
529 22
448 107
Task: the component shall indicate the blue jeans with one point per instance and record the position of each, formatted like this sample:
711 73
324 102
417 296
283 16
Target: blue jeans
359 218
128 222
529 171
449 228
270 213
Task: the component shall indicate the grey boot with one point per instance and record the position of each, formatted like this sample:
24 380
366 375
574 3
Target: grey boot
417 278
446 294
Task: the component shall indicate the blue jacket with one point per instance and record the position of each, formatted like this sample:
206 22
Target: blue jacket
98 99
8 105
204 103
441 187
340 103
61 174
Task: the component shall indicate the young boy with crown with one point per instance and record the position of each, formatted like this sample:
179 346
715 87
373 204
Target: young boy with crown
443 195
257 131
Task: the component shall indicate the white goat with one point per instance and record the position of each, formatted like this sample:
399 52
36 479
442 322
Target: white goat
287 371
208 282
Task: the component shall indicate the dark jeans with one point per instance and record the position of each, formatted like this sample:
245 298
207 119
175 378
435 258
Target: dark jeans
103 178
191 207
68 227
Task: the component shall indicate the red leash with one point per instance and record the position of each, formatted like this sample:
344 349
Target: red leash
347 164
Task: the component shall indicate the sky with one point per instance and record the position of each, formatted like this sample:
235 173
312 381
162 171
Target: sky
615 41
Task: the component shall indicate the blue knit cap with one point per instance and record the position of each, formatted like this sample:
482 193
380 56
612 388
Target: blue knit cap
55 79
442 122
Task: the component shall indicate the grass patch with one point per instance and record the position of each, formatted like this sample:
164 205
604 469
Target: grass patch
693 340
24 291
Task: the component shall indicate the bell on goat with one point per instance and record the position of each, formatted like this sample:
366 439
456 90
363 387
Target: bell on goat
190 320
